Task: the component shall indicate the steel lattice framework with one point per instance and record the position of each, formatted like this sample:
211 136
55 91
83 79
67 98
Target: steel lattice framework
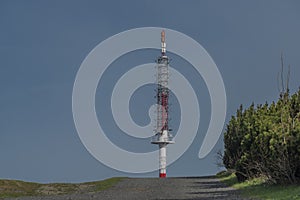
162 94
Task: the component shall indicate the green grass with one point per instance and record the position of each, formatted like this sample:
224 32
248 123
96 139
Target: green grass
259 189
103 185
15 188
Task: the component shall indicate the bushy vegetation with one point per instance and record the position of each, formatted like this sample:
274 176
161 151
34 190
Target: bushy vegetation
264 141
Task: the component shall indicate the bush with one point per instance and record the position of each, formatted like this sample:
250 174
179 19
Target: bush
265 141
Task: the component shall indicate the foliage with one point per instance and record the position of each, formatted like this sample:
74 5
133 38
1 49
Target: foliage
264 141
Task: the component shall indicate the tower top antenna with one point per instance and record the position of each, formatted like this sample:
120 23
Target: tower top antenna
163 36
163 43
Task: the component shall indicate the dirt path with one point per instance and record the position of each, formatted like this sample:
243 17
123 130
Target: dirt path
154 188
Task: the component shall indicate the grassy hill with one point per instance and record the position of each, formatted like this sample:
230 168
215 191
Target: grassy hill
15 188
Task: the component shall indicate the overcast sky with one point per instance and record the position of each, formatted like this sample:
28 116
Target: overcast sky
43 43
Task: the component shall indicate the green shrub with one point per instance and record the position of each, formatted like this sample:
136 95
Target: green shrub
265 141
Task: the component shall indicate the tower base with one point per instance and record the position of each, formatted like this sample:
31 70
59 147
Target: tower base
162 175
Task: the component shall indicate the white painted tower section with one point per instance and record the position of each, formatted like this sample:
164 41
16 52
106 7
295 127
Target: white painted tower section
163 154
162 159
162 139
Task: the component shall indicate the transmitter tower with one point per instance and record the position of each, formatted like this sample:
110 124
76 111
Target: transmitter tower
162 137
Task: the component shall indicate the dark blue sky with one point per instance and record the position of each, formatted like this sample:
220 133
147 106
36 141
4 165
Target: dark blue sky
43 43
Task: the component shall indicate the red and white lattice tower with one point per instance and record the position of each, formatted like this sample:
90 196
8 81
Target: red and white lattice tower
162 137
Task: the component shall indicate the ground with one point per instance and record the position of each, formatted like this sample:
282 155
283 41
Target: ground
155 188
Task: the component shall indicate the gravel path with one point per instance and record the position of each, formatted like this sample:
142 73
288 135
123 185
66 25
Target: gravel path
155 188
